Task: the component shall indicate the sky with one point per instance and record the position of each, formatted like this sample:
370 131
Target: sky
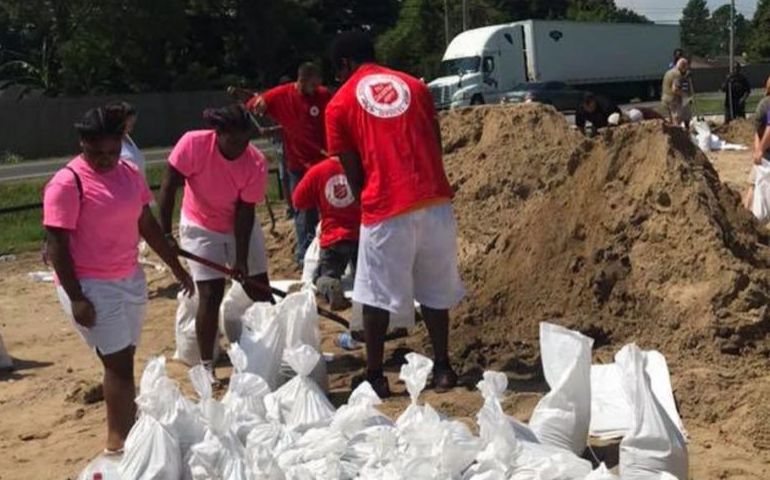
669 11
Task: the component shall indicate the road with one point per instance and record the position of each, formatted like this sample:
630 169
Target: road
47 167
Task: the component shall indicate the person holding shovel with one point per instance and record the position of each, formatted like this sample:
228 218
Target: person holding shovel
383 126
299 109
224 177
94 212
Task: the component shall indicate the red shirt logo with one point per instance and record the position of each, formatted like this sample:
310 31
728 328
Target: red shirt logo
383 95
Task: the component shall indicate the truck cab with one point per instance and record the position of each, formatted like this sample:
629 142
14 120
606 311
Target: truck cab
479 66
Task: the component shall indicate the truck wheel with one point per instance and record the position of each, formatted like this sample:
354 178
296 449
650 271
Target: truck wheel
477 100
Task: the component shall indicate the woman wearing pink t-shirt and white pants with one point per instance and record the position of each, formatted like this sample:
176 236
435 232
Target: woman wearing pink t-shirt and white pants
224 177
95 211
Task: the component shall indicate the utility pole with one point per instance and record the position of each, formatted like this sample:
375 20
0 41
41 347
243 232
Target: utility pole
465 15
446 22
732 35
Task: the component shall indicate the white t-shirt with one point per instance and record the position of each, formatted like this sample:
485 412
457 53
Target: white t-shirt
132 153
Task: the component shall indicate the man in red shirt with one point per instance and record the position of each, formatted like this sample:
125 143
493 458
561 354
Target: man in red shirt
325 188
383 126
299 109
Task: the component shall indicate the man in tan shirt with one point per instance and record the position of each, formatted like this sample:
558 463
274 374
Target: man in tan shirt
677 93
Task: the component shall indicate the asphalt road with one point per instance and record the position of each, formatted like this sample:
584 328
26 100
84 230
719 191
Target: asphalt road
45 168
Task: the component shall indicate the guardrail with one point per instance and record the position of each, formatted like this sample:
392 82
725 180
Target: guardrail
37 206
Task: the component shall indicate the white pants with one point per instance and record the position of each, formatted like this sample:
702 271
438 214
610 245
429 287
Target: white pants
120 309
412 257
219 248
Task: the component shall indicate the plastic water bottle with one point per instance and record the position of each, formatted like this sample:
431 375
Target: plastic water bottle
346 341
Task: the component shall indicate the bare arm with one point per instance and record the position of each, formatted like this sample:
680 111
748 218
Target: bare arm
172 181
244 224
351 163
761 145
153 235
59 255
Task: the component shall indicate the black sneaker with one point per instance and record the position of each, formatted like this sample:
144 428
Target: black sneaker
379 384
444 378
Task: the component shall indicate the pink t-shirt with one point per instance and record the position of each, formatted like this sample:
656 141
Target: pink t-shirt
104 222
214 184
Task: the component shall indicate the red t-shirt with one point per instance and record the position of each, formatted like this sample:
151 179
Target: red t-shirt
326 188
387 117
302 119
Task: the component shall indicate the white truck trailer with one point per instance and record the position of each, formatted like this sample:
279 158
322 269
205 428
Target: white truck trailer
621 60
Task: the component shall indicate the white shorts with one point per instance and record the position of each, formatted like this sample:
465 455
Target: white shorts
412 257
120 308
219 248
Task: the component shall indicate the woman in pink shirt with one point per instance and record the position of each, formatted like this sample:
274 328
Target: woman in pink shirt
224 177
95 211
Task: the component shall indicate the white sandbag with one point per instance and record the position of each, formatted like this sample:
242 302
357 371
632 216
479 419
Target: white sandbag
415 374
152 452
220 455
760 205
371 446
5 360
611 414
492 389
312 261
314 445
262 340
244 400
300 404
702 136
360 412
298 314
562 417
187 350
654 444
234 306
602 473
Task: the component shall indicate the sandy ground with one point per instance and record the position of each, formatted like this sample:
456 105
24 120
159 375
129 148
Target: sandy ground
51 426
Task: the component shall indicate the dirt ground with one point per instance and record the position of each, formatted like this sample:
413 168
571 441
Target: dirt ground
52 420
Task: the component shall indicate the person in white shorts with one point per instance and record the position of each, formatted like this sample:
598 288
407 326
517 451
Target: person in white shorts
224 177
383 126
94 212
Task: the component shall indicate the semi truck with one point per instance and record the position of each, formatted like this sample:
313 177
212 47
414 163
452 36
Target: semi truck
619 60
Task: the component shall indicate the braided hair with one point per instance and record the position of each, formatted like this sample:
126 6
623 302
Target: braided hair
233 117
101 122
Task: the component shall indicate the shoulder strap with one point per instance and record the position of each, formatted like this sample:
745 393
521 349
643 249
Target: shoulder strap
78 182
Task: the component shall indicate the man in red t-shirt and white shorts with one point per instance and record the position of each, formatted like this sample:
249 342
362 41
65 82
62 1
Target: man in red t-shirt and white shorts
299 109
383 126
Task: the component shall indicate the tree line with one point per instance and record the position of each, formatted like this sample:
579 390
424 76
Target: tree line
72 47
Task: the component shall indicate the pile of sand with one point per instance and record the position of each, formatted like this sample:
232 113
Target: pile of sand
739 131
627 237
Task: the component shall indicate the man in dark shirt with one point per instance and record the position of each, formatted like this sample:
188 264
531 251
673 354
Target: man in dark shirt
594 109
737 90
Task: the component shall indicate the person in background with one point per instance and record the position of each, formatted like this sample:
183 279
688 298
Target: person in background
224 177
737 90
95 210
383 126
594 109
299 109
761 149
325 188
678 53
677 93
277 141
129 150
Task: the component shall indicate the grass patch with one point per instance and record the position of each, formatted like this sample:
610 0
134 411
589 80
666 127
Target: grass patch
711 104
23 231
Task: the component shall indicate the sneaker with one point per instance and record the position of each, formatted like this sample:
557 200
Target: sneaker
444 378
379 384
331 290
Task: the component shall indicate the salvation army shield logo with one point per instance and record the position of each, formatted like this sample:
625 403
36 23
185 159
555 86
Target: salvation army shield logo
338 193
383 95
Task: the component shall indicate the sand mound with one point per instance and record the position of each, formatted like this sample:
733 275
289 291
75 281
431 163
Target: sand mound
739 131
628 237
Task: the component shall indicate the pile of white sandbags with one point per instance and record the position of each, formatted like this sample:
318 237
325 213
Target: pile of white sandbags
293 432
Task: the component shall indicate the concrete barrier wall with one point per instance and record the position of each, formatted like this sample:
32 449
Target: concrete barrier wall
42 127
711 79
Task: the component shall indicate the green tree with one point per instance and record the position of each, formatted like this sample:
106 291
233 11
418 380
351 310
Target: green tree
696 36
720 21
759 43
601 11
